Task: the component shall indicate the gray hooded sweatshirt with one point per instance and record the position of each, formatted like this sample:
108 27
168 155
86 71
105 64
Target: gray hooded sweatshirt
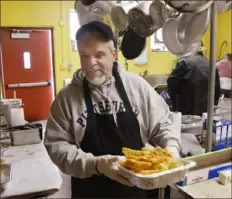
67 120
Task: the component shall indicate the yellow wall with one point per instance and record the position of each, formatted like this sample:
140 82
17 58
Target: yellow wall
55 14
224 32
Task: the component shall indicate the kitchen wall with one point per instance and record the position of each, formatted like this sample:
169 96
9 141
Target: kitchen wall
224 32
54 14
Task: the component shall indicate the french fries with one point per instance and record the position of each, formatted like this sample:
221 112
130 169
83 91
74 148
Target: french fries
148 161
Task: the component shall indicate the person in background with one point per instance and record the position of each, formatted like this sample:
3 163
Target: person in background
188 85
104 109
225 74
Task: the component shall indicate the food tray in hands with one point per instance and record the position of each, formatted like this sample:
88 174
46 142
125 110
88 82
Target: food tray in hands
161 179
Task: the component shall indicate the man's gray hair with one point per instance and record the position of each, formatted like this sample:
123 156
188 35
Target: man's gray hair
98 35
111 46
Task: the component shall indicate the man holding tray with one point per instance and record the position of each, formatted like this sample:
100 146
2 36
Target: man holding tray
103 110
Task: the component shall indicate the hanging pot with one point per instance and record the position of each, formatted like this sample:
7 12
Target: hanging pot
223 6
160 12
85 15
189 6
172 43
132 44
87 2
119 14
121 33
140 20
98 11
192 27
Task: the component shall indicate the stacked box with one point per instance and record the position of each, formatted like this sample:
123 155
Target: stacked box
204 174
222 134
208 166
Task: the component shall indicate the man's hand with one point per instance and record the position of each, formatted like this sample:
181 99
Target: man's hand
174 151
106 166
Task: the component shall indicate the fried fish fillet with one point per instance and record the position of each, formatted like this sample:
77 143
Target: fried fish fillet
148 161
136 165
130 153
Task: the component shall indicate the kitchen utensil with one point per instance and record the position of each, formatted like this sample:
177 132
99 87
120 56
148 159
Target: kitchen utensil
119 14
223 6
192 27
189 6
172 43
132 44
99 10
192 124
121 33
140 19
87 2
160 12
84 15
119 18
28 134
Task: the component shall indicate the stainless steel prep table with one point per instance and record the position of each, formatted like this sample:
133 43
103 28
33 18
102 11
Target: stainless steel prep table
33 173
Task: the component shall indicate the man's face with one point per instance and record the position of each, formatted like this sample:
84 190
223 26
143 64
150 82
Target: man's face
96 58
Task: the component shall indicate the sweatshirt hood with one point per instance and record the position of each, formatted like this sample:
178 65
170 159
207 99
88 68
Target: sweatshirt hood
78 78
103 90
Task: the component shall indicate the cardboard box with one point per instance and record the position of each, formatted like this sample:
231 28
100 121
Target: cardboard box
222 134
208 166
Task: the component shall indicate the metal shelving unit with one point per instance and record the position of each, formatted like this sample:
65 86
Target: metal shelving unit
211 84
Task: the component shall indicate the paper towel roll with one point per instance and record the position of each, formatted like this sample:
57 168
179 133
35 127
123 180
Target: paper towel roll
175 118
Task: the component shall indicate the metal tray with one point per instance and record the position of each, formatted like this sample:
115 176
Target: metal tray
6 175
162 179
191 121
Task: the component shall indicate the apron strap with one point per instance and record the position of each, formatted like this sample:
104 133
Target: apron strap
88 99
121 89
119 86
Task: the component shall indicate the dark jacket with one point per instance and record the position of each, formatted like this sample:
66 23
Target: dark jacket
188 86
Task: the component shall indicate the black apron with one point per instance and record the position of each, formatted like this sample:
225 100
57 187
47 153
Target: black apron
102 137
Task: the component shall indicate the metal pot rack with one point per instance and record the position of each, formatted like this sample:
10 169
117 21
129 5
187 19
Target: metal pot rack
211 84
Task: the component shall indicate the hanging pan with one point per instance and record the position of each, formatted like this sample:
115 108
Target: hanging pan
189 7
223 6
140 20
87 2
132 44
119 14
172 43
160 12
192 27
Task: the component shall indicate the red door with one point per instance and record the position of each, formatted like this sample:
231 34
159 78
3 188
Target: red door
27 66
